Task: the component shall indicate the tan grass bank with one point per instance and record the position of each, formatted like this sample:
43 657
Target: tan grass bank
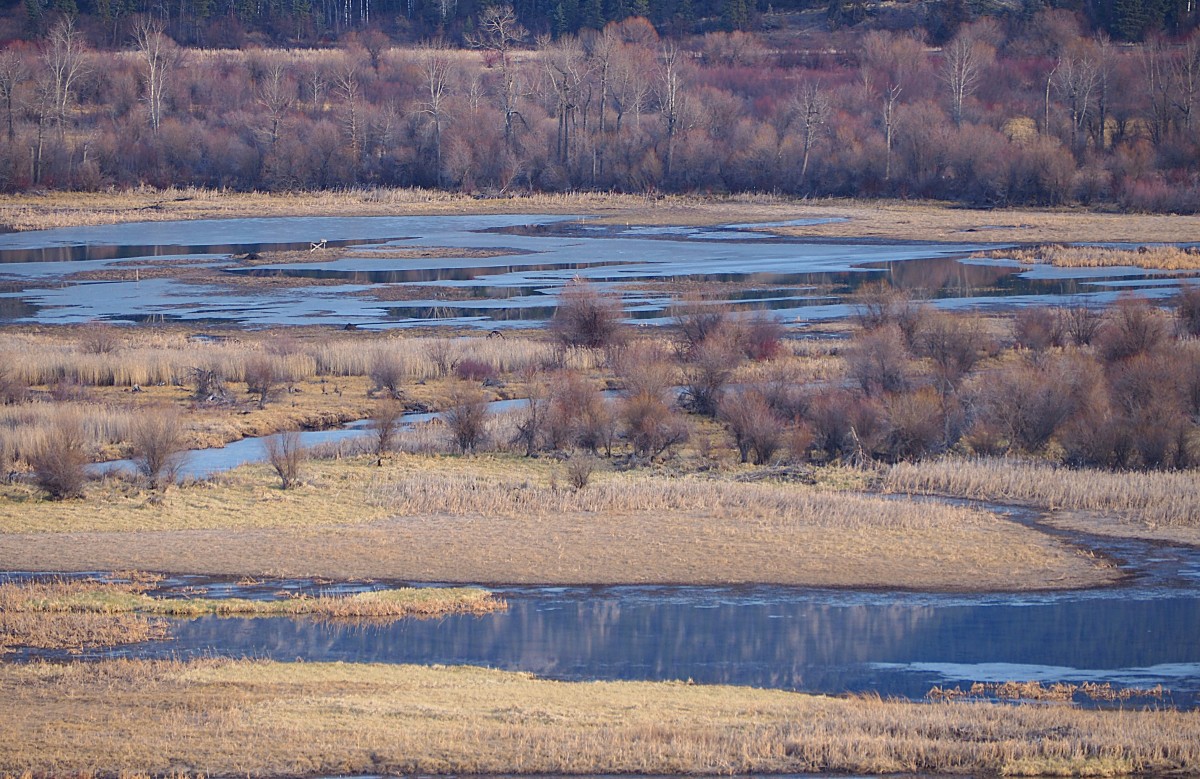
257 719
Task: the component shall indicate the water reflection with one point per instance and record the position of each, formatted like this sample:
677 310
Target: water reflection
766 637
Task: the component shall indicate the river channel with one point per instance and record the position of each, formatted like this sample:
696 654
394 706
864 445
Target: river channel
799 280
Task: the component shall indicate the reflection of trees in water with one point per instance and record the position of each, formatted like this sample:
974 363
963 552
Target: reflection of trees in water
780 643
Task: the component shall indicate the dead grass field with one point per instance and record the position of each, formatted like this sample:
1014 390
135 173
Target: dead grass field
321 719
864 219
1156 257
499 519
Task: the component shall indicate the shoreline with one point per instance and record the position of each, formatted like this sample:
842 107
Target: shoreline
865 219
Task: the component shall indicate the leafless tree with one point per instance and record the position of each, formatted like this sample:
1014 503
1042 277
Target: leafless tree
812 108
60 461
158 55
587 316
275 96
287 454
13 72
566 70
385 423
466 417
671 98
157 441
65 65
435 93
498 33
964 63
262 378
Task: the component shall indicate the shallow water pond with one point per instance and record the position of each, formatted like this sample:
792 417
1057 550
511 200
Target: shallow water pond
801 281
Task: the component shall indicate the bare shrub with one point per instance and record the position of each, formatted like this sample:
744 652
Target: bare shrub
1081 323
531 421
1038 328
1029 402
287 456
60 460
916 424
1134 327
1187 309
386 374
99 338
385 423
442 354
761 337
12 389
466 417
710 367
877 305
157 442
469 369
845 425
698 319
650 426
580 470
954 344
878 361
646 367
799 442
756 431
587 316
261 377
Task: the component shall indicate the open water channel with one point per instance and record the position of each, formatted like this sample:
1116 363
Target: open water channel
1143 633
799 280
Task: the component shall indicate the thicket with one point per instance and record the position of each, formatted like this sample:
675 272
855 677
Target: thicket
1034 113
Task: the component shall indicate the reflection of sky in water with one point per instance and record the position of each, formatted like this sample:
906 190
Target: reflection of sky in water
817 274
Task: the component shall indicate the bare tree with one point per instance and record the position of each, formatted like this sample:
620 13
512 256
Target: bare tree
964 62
587 316
1076 78
158 55
435 92
275 96
498 33
287 455
59 462
671 98
262 378
157 441
466 417
566 69
63 59
13 71
385 424
812 107
349 90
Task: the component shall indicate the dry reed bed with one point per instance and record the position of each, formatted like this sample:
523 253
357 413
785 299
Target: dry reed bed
77 631
1152 499
467 495
320 719
130 357
1158 257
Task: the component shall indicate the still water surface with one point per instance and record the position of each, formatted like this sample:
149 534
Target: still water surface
800 281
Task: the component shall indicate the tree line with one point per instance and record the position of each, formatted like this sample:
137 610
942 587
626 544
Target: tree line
1047 117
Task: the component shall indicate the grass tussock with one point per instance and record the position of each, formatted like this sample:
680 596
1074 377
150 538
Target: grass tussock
1152 499
315 719
1158 257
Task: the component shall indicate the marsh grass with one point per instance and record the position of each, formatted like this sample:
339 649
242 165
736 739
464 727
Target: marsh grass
1170 499
323 719
1159 257
107 597
496 518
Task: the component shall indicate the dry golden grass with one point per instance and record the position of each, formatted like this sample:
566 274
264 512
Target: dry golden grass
498 519
1157 257
1153 499
259 719
75 615
866 219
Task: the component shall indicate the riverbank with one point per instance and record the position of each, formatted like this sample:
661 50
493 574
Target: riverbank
512 520
896 220
321 719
